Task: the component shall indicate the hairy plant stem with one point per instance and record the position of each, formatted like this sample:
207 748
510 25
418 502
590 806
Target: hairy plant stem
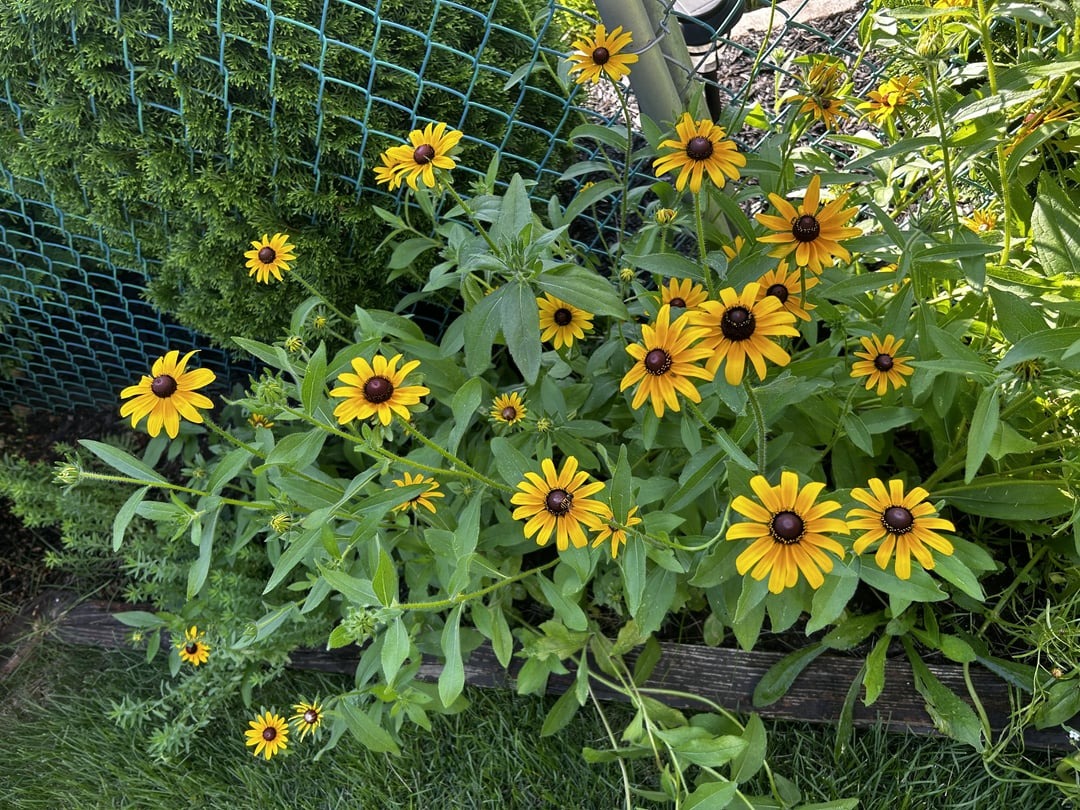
416 434
759 421
699 219
624 204
946 158
457 599
123 479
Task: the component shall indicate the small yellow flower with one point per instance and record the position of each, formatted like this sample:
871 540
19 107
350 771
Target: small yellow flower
193 649
882 104
269 733
561 321
376 390
428 149
734 249
664 362
665 216
880 365
388 173
424 498
683 294
257 420
612 531
824 93
508 408
789 288
168 395
269 257
308 717
602 55
811 232
982 220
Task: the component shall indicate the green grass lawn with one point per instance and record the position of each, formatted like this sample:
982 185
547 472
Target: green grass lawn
59 750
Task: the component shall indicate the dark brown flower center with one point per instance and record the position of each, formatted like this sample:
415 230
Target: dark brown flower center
423 154
806 228
311 717
163 386
191 648
778 291
600 56
267 254
509 413
883 362
898 520
677 302
786 527
269 733
562 316
558 502
699 148
657 362
737 323
378 389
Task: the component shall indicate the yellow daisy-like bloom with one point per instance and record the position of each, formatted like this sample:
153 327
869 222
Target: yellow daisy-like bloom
167 395
683 294
906 524
788 288
388 173
824 93
664 361
428 149
377 389
734 249
883 103
257 420
269 733
880 365
559 503
700 149
268 257
665 216
193 650
814 236
508 408
562 322
789 531
308 717
739 326
982 220
601 55
614 532
424 498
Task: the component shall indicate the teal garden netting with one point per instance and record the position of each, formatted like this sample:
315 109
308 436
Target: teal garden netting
144 143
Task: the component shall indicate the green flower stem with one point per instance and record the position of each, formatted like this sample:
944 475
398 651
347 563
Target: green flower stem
472 217
946 159
699 220
308 286
983 719
991 75
614 746
224 434
625 205
139 482
416 434
457 599
839 422
759 421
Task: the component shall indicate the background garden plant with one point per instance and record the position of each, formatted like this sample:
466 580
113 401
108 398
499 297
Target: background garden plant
645 434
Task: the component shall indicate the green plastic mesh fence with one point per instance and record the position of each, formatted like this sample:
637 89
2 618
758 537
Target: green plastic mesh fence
181 92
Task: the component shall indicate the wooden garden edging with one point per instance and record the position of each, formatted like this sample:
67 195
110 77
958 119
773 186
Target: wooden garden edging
725 676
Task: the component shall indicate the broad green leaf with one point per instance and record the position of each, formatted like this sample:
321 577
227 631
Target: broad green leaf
919 588
512 465
775 683
585 289
1061 704
632 562
139 618
314 379
830 600
951 715
1049 344
297 450
124 516
466 400
452 678
984 423
1010 498
482 324
520 318
660 586
749 762
273 356
711 796
561 713
1055 223
1017 317
702 472
298 549
385 582
874 677
265 626
203 536
407 251
123 462
367 730
569 612
668 265
227 468
515 213
395 648
358 591
856 431
605 135
621 495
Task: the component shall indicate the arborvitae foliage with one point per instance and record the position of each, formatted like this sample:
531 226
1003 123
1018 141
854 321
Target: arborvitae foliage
189 128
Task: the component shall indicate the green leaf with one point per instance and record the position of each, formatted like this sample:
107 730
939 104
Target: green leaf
562 712
584 289
482 324
358 591
830 600
775 683
298 549
124 516
856 431
605 135
465 538
395 648
1055 224
201 567
920 588
874 678
452 678
1010 498
123 462
632 562
703 471
836 804
1049 344
668 265
515 213
621 494
569 612
749 762
660 585
227 468
512 465
385 582
984 423
711 796
521 328
951 715
466 400
273 356
407 251
297 450
370 734
1061 704
265 626
139 618
1017 317
314 379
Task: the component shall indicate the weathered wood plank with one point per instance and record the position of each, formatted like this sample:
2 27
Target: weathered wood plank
725 676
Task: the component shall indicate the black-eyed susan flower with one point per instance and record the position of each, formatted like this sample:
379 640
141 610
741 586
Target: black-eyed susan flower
388 174
428 149
890 96
258 420
664 362
814 236
562 323
790 532
700 149
982 220
880 363
905 524
424 498
268 257
683 294
788 287
612 532
734 249
307 718
665 216
193 650
508 408
167 395
376 389
602 55
741 326
269 733
558 503
825 90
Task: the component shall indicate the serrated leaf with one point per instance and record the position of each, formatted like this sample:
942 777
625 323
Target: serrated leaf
1055 224
951 715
